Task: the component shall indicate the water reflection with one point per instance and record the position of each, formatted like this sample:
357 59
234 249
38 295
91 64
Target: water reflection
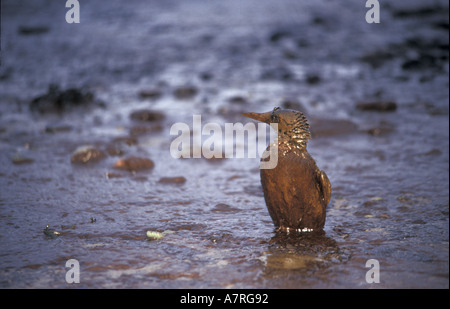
300 256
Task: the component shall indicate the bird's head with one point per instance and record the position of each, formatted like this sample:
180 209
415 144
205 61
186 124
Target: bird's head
293 128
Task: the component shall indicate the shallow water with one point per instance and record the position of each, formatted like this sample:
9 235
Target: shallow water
389 170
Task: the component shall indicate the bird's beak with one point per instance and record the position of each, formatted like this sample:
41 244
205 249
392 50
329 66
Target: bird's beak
263 117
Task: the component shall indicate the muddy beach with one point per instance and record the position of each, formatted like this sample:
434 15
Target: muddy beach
86 171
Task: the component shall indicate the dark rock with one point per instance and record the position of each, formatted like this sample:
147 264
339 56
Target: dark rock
19 160
377 58
57 128
422 62
57 101
313 79
33 30
387 106
278 35
206 76
187 92
237 100
146 115
419 12
150 94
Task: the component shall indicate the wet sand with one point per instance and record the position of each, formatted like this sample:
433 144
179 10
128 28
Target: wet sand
85 117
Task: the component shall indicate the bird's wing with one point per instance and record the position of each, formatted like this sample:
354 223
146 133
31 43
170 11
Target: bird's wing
325 186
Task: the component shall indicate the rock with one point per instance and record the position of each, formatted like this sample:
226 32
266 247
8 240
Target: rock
186 92
87 154
57 128
114 150
147 115
279 34
381 106
422 62
377 58
206 76
33 30
150 94
18 160
128 140
139 130
225 208
134 164
57 101
173 180
313 79
237 100
419 12
110 175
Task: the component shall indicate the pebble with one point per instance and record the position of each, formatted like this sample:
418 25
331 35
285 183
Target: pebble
387 106
33 30
237 100
18 159
134 164
174 180
150 94
139 130
146 115
186 92
87 154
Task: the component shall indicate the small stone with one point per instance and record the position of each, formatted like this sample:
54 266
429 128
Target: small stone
57 128
140 130
313 79
128 140
134 164
110 175
186 92
387 106
146 115
58 101
174 180
18 160
150 94
237 100
87 154
33 30
113 150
